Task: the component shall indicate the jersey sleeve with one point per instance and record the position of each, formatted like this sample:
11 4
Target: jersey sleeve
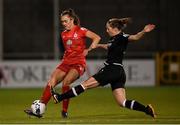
83 31
126 36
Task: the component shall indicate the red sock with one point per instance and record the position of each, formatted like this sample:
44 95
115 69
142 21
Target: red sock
46 96
65 102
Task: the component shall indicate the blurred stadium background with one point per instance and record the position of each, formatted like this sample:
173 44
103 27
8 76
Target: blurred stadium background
30 46
29 30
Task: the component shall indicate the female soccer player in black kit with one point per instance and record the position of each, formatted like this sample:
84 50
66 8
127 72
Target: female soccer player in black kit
113 72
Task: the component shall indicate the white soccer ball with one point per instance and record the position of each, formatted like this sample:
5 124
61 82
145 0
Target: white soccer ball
38 107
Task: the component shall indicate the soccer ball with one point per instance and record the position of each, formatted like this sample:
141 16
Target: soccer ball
38 107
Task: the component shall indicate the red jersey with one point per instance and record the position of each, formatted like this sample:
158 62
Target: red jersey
74 44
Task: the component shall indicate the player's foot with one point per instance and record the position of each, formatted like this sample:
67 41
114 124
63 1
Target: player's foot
30 113
64 114
56 96
150 111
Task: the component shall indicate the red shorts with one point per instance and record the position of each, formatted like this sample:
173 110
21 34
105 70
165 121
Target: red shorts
66 67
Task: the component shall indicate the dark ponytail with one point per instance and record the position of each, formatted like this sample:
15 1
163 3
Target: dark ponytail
120 24
72 14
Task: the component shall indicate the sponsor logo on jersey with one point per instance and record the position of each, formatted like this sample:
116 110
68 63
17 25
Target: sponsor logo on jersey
69 42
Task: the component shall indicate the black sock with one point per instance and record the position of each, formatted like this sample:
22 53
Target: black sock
75 91
134 105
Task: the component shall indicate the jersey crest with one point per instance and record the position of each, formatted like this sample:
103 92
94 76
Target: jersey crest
75 35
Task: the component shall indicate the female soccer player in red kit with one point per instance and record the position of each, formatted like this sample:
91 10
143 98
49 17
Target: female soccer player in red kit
73 63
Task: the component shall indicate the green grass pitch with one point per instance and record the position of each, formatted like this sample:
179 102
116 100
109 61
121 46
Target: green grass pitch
96 106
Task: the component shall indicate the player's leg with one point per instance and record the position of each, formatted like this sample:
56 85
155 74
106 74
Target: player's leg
75 71
120 97
75 91
65 103
57 76
71 76
92 82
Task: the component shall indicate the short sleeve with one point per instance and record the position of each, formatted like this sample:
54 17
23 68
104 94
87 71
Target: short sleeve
126 36
83 31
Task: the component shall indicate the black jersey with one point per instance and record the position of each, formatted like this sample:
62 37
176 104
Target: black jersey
113 71
116 49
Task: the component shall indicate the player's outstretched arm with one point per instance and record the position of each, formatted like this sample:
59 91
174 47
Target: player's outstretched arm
139 35
95 39
104 46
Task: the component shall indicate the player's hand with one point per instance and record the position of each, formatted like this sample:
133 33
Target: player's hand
149 28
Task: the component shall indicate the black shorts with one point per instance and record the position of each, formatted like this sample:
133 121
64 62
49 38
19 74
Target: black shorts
111 74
